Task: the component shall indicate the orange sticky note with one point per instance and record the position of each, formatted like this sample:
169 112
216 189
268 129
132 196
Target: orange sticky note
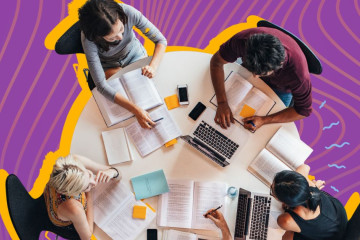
172 101
247 111
139 212
171 142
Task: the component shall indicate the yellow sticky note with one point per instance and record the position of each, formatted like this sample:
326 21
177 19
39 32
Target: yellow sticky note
172 101
247 111
147 30
171 142
139 212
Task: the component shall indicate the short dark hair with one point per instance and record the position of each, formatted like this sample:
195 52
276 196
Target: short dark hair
264 53
293 189
96 19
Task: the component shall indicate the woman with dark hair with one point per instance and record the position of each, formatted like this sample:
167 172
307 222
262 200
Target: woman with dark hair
110 44
309 212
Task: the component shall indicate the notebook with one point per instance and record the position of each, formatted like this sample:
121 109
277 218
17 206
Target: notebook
113 209
148 140
187 201
283 152
244 99
149 185
117 146
180 235
135 87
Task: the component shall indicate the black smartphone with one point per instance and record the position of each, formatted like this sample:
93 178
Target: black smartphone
152 234
197 111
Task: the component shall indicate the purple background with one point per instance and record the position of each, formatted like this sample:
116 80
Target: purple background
38 86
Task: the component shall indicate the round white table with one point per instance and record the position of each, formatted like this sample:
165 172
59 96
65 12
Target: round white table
181 161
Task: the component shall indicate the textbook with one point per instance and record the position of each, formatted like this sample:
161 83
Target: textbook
187 201
283 152
179 235
244 99
148 140
117 146
113 211
135 87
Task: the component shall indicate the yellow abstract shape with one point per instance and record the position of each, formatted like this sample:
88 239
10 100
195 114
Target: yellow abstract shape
171 142
247 111
139 212
311 177
172 101
352 204
46 235
147 30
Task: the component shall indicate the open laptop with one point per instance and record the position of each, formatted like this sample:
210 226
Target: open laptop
220 145
252 216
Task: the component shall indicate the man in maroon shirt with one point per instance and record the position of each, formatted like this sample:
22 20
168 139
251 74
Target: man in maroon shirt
278 60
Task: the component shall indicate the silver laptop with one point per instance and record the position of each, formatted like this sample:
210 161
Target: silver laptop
252 216
220 145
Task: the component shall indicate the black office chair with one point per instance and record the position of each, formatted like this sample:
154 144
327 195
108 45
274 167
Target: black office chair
29 216
353 226
313 62
70 43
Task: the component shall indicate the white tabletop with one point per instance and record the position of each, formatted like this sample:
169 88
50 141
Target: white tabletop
181 161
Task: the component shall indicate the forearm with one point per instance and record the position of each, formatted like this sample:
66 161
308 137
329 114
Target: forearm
226 234
125 103
217 78
90 211
286 115
158 55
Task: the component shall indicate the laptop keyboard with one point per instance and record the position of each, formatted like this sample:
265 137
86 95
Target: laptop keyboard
241 216
215 139
260 217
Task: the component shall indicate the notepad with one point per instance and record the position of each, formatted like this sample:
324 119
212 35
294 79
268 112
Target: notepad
150 184
139 212
247 111
172 101
117 146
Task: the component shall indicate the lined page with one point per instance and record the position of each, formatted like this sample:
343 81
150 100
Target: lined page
175 207
148 140
141 89
113 207
207 195
287 148
265 166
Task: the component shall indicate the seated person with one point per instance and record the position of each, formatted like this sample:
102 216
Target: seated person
278 60
310 214
68 195
110 44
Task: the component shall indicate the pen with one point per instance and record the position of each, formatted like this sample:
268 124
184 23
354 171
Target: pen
251 122
158 119
214 210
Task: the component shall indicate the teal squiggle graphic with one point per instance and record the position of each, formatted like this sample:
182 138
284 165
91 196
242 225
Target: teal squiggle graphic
335 165
332 124
335 189
336 145
322 104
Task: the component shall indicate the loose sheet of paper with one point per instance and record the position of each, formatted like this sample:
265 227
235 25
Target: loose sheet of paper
178 235
117 146
148 140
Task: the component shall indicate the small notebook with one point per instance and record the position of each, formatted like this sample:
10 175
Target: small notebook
149 185
283 152
244 99
187 201
113 211
117 146
133 86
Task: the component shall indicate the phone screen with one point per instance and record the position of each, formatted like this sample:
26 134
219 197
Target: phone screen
197 111
152 234
183 94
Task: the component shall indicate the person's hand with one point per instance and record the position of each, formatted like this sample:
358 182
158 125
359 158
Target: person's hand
320 184
218 218
148 71
224 115
144 119
253 123
105 175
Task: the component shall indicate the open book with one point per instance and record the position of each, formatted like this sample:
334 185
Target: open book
113 209
117 146
148 140
244 99
135 87
187 201
283 152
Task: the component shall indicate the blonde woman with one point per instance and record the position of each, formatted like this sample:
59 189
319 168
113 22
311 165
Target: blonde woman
68 195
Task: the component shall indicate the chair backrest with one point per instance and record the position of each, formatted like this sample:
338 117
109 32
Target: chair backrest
70 41
29 216
353 226
314 64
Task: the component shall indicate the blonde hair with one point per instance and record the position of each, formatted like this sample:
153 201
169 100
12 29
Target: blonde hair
67 176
